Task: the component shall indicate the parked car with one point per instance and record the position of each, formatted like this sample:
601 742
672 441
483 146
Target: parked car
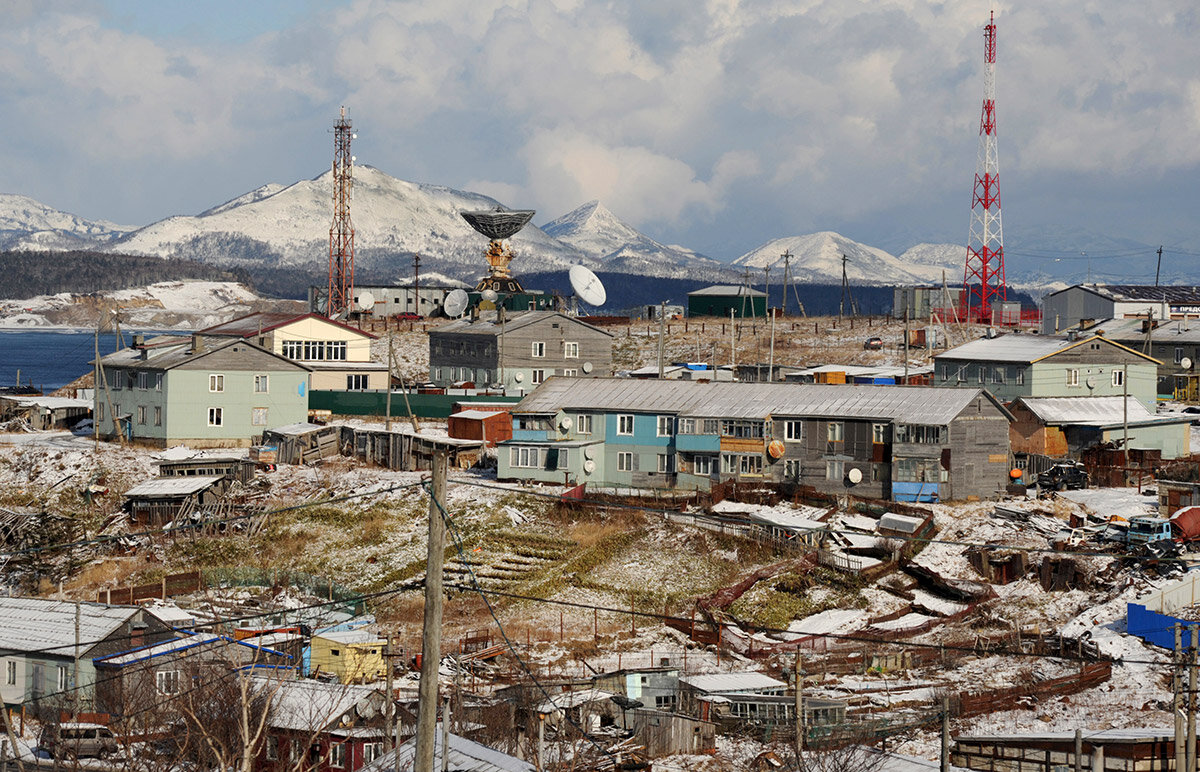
76 740
873 344
1064 476
407 316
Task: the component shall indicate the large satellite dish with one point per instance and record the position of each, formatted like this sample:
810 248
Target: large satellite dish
366 301
498 223
455 303
587 286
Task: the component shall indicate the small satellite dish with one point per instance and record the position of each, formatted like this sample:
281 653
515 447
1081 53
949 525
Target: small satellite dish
1186 363
854 476
587 367
589 466
455 303
489 295
587 285
565 424
518 377
1091 381
589 453
366 301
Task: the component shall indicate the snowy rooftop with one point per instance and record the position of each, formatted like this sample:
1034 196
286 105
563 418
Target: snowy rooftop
721 683
351 636
29 624
1024 349
304 705
1096 411
568 700
172 486
465 755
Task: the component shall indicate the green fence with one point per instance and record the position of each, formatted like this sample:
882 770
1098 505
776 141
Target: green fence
374 403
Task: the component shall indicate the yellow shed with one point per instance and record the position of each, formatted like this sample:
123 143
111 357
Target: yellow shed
355 656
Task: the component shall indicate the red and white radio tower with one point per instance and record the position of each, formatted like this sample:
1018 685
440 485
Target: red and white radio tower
341 232
983 283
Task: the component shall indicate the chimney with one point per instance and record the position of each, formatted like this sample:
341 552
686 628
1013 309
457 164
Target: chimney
197 343
137 340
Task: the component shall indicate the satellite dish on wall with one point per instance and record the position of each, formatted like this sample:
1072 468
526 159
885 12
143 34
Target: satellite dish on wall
588 453
587 285
565 424
518 377
455 303
854 476
366 301
587 367
1186 363
1091 382
589 466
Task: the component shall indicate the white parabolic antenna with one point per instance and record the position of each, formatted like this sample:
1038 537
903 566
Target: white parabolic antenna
455 302
366 301
1186 363
587 285
854 476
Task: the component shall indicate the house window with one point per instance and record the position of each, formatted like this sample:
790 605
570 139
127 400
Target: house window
702 466
10 672
791 469
664 701
982 374
141 415
215 416
564 458
538 349
337 755
666 463
997 375
686 425
157 416
743 429
261 384
167 681
665 425
537 376
1072 377
1118 378
524 457
624 462
793 431
1020 376
879 433
258 416
570 372
116 379
625 424
143 380
835 431
335 652
925 470
1178 354
835 470
216 382
356 382
99 411
921 434
583 424
570 350
372 751
63 680
272 748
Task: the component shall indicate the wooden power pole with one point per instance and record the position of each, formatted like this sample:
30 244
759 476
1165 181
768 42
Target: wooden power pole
431 633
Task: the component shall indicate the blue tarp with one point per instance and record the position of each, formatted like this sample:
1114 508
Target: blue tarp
1154 628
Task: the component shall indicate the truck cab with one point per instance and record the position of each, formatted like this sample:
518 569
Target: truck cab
1145 530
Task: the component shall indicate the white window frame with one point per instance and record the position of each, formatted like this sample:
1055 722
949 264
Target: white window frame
262 384
571 372
167 681
63 679
525 457
571 350
1072 377
1118 378
216 416
793 431
702 466
625 424
835 431
537 376
259 416
1020 378
216 382
583 424
835 469
665 425
791 468
141 415
10 672
272 748
666 463
337 755
625 461
879 434
357 381
537 349
158 415
564 459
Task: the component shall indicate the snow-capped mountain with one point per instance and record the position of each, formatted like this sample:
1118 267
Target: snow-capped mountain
29 224
597 232
817 258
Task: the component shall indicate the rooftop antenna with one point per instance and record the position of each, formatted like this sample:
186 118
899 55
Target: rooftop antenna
499 224
587 285
455 303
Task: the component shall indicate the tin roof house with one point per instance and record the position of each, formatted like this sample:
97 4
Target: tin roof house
905 443
1064 426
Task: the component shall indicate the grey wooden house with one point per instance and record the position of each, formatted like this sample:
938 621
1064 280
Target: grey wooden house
517 351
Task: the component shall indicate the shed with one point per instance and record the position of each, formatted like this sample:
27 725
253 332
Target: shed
667 734
240 469
904 526
163 499
303 443
352 655
720 300
404 450
44 413
487 426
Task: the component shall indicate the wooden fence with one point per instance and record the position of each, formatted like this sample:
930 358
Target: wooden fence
168 586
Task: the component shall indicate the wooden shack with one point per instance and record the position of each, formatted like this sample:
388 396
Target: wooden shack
44 413
404 450
486 426
666 734
240 469
164 499
303 443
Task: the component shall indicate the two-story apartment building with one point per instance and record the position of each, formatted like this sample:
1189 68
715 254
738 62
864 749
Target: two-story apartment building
906 443
1018 365
196 391
337 355
517 350
1174 343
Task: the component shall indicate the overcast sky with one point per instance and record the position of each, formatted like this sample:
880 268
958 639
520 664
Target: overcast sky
718 125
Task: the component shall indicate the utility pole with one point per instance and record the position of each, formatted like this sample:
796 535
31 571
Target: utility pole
1078 750
845 286
417 284
787 258
1191 700
771 358
1159 266
945 765
1177 699
388 424
906 343
662 331
767 287
431 632
732 343
799 707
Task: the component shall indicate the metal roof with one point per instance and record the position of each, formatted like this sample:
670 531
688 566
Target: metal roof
43 625
191 641
465 756
721 683
490 325
172 486
304 705
1173 294
1024 349
168 352
257 323
722 290
1096 411
1129 331
916 404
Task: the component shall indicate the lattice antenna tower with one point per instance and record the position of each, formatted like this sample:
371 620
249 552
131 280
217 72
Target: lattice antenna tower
341 232
983 281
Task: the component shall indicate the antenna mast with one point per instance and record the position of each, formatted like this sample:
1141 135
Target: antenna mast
983 280
341 232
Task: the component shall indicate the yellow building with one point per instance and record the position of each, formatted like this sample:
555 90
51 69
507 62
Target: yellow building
338 355
354 656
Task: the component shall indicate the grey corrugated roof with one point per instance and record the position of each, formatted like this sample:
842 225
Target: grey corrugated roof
38 624
305 705
729 289
465 756
487 325
1096 411
167 352
718 683
172 486
1021 348
1129 331
917 404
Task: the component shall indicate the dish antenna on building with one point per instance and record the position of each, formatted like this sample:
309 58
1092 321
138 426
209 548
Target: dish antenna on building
1186 363
587 286
455 303
365 301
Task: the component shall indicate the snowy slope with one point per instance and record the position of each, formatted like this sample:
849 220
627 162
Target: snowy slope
817 258
29 224
597 232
